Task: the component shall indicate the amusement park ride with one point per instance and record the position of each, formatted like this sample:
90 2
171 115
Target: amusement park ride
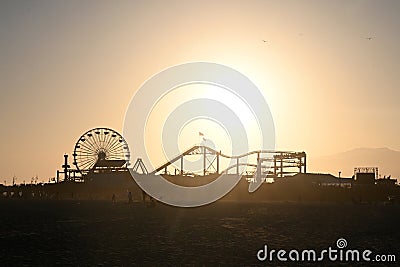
105 151
97 150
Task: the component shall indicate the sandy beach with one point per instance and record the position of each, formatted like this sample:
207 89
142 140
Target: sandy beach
88 233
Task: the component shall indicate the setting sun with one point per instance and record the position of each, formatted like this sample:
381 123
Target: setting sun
213 133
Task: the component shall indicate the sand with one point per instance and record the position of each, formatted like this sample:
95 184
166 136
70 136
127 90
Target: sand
88 233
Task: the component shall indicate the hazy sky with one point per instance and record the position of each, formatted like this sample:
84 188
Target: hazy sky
69 66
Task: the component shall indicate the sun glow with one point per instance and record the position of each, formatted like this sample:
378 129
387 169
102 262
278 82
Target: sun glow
199 130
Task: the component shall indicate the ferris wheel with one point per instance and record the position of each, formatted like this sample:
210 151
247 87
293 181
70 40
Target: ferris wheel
99 145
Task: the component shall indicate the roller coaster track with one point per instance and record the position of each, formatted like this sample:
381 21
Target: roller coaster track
280 159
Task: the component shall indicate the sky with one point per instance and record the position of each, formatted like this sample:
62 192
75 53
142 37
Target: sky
70 66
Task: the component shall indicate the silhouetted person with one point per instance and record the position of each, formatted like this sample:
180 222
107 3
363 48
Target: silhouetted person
113 198
129 197
143 196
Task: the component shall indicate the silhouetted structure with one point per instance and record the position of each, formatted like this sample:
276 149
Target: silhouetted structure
101 156
260 164
100 148
365 175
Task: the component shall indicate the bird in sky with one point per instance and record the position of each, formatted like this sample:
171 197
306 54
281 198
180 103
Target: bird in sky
264 41
369 38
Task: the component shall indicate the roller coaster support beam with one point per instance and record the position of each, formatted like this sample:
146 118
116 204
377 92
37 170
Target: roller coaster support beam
217 162
258 167
181 165
204 161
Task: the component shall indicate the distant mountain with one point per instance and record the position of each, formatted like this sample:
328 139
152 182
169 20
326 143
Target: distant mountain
387 160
